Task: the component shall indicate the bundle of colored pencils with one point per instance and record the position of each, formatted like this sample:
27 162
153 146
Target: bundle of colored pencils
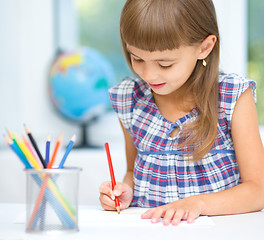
30 155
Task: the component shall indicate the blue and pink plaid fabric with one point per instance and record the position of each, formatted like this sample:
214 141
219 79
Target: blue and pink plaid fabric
163 173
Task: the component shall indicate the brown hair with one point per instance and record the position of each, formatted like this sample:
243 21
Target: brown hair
158 25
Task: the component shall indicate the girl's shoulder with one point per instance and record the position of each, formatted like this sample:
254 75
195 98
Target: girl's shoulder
232 85
126 95
130 88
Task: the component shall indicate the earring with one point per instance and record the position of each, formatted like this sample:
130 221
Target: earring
204 63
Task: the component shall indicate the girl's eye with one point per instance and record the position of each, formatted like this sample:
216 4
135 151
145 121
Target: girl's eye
137 60
164 67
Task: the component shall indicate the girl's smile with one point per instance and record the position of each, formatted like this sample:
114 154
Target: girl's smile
157 86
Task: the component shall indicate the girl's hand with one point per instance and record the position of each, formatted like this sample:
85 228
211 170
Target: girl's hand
185 209
107 196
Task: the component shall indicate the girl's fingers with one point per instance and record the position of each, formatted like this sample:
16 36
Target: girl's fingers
148 214
168 216
106 189
178 216
157 215
118 190
106 202
191 217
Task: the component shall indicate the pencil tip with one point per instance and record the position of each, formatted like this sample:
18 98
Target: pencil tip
9 133
26 128
118 209
73 138
8 140
60 137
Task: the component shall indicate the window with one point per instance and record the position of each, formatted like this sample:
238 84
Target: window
256 51
99 28
93 24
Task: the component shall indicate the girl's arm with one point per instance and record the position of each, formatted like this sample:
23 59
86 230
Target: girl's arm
245 197
123 190
248 196
131 153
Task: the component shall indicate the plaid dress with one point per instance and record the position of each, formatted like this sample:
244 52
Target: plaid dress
163 173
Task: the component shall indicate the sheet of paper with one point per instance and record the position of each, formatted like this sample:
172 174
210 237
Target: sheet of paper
130 217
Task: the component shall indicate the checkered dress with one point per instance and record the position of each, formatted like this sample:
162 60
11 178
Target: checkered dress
162 172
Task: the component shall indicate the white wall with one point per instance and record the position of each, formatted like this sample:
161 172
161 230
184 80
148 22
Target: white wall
27 49
232 20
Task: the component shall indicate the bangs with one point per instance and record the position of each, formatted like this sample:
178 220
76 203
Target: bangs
147 27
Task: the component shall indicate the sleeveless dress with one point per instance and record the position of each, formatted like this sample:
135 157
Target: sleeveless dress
163 173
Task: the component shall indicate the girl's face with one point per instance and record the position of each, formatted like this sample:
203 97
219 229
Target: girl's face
164 71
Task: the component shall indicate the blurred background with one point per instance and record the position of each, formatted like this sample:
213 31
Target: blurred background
42 41
34 31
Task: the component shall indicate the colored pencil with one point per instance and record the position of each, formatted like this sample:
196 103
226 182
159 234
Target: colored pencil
58 143
42 209
47 150
18 152
9 133
39 200
28 144
35 146
68 149
27 153
117 204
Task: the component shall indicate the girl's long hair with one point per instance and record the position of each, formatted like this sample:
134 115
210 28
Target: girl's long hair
158 25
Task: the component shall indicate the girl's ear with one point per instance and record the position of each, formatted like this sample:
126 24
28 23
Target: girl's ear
207 46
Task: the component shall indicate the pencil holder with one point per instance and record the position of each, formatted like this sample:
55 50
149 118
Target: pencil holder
52 200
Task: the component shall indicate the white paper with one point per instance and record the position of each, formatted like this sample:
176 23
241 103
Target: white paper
129 217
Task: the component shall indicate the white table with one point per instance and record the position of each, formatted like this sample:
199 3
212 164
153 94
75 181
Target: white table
245 226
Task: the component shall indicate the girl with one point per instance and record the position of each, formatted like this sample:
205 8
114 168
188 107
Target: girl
192 140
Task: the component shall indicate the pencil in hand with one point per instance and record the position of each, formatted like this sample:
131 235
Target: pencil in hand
117 204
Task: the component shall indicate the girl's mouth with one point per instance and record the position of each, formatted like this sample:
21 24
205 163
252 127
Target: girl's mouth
156 86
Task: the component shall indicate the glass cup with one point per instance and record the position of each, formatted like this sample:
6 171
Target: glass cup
52 200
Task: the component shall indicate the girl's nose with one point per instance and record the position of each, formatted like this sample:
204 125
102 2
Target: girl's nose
147 73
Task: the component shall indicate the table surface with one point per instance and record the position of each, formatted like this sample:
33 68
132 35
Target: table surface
242 226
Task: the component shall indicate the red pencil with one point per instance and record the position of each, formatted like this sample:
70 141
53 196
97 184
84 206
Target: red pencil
117 204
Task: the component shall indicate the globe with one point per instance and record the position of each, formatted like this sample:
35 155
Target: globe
78 84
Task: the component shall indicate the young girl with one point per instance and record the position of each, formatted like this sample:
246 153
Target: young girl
192 140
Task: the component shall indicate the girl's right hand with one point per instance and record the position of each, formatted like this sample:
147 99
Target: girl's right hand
107 196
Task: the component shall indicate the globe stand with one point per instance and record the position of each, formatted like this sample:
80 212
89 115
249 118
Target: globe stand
85 143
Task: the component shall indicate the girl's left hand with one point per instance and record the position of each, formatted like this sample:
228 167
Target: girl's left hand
185 209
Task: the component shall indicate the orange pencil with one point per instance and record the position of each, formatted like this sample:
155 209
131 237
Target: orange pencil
58 143
39 200
117 204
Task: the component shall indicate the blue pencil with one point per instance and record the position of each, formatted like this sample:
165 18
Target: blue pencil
68 149
18 152
47 150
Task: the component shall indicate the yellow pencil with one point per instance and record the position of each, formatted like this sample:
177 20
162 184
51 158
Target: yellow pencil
27 152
